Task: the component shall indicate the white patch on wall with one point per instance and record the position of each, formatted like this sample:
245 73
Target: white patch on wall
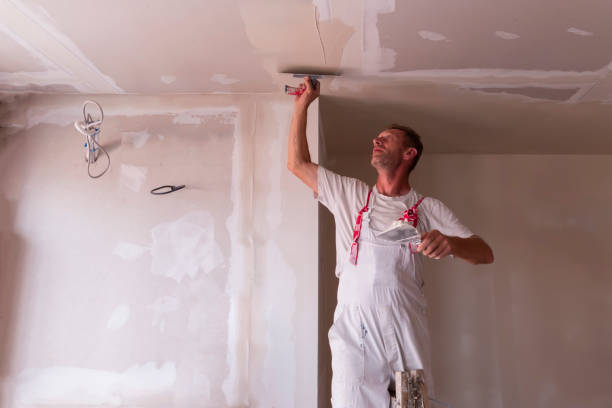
137 139
375 58
185 247
161 308
167 79
432 36
506 35
119 317
129 251
223 79
75 386
579 32
132 177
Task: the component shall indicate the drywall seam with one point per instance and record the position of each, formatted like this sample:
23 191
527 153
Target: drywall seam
476 73
28 47
375 58
586 89
63 116
38 29
239 274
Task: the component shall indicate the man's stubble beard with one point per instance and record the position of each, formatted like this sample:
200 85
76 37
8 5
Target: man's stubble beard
383 162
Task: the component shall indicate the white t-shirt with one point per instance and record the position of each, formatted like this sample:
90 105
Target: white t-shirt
345 196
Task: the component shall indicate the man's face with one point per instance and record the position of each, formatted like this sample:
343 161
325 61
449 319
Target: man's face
388 149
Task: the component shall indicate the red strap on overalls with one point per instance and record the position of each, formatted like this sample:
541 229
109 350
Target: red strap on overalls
412 214
357 231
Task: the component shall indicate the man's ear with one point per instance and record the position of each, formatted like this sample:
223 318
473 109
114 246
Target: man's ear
409 153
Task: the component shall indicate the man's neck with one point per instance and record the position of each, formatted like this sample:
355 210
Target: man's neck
392 184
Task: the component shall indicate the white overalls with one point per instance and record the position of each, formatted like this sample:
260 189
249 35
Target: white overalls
380 323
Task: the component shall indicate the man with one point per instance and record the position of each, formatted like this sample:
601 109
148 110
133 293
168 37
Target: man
380 323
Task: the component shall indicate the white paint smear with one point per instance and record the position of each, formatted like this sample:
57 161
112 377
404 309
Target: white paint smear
506 35
167 79
129 251
432 36
137 139
579 32
62 386
119 317
185 247
238 280
132 177
223 79
161 308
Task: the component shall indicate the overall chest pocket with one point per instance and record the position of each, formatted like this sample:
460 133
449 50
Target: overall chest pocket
390 265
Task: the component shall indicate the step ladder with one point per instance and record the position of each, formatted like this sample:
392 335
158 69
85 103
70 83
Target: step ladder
410 390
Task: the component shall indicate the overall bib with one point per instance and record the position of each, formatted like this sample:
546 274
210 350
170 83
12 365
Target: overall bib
380 323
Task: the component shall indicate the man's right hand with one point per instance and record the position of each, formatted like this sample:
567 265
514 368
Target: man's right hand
310 94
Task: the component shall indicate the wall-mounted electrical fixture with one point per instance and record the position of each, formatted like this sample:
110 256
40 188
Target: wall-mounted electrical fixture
91 129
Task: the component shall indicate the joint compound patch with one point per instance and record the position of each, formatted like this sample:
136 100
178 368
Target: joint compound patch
506 35
223 79
185 247
161 308
199 116
132 177
577 31
129 251
167 79
119 317
137 139
432 36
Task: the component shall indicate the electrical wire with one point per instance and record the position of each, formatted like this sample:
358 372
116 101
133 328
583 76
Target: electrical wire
91 129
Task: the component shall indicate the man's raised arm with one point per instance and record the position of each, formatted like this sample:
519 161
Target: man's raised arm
299 162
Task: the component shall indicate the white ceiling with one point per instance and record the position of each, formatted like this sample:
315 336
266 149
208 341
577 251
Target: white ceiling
158 46
461 63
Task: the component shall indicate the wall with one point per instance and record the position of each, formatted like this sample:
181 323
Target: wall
110 296
531 329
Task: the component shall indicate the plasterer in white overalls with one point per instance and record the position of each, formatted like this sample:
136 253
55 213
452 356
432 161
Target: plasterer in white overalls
380 323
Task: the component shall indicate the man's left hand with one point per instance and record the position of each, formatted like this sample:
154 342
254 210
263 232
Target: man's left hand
435 245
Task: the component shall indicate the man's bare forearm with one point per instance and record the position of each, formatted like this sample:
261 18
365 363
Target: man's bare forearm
298 144
299 162
473 249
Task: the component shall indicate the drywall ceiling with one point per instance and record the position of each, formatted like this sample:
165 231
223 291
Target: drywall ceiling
493 53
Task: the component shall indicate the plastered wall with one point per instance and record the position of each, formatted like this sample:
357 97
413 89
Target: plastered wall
531 329
110 296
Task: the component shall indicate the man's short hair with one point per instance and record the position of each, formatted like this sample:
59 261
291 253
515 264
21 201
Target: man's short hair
411 139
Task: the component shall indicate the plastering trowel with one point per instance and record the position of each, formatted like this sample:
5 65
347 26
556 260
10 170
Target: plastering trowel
314 75
401 231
